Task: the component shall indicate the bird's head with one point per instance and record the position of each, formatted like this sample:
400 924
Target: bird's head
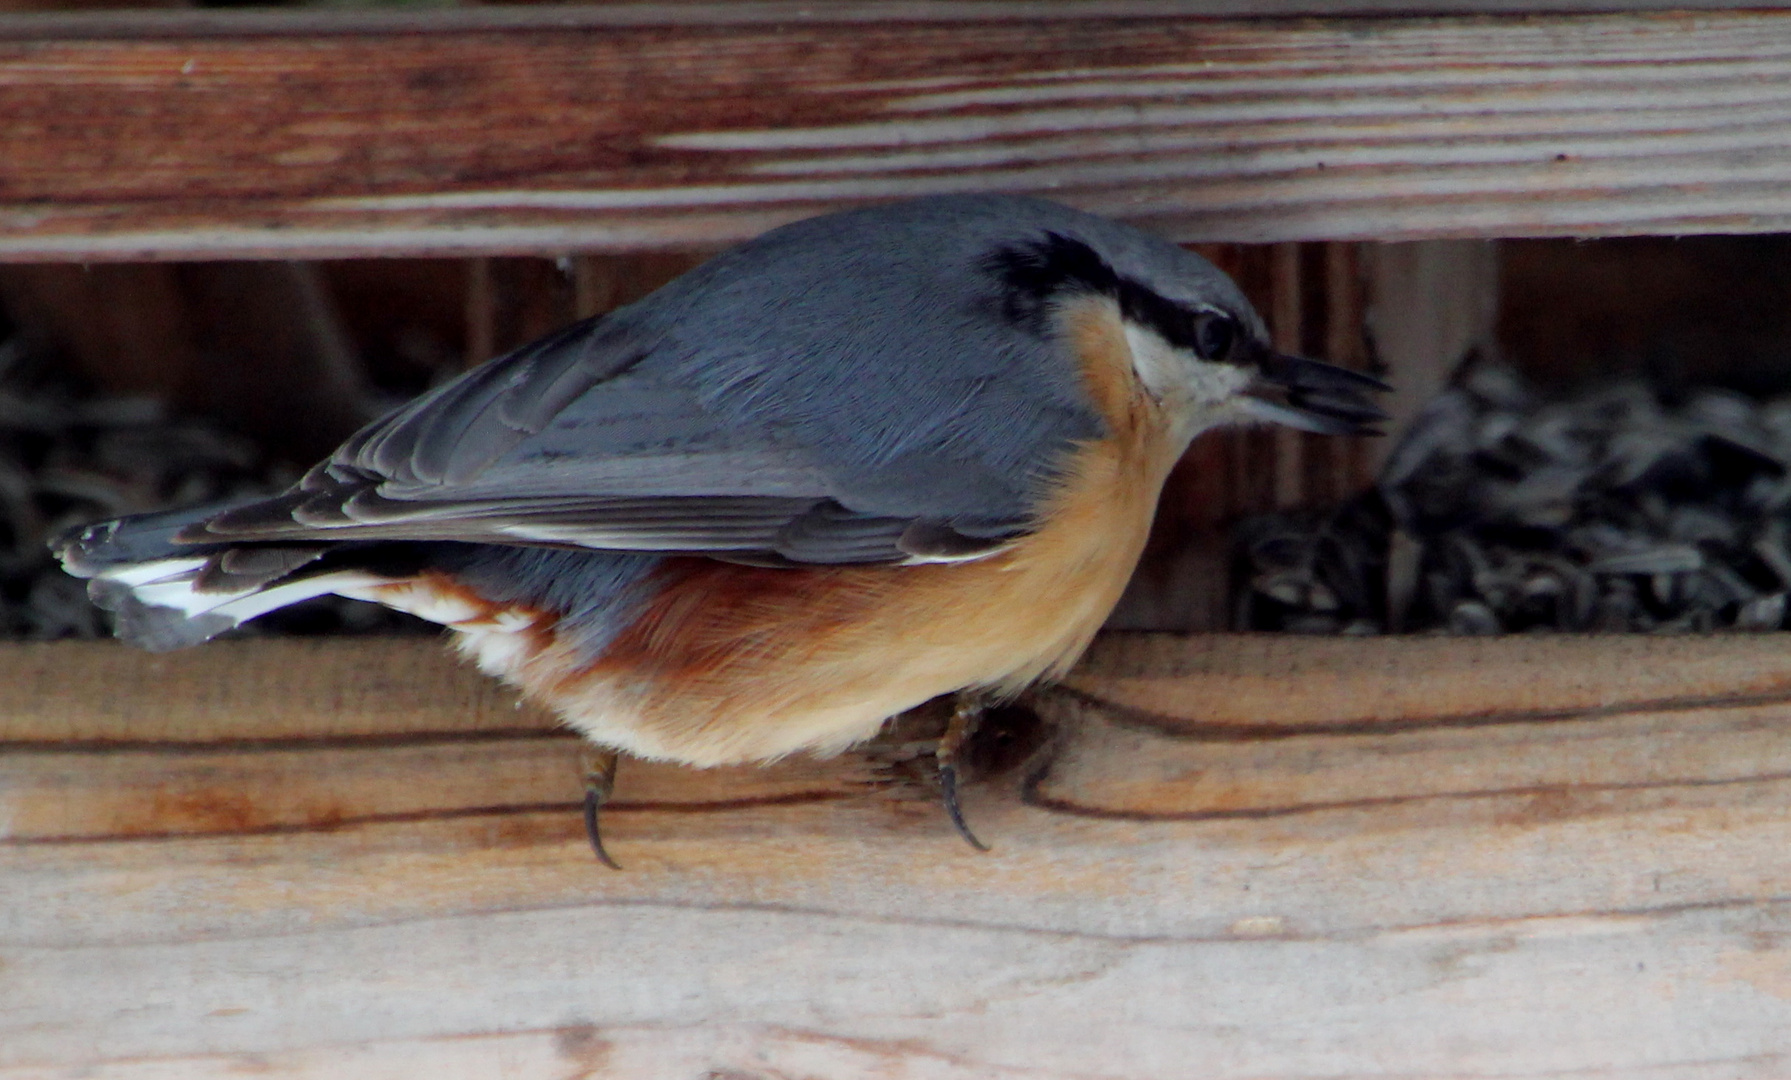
1195 342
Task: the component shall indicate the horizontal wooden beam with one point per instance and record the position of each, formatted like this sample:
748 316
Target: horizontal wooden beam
97 23
632 127
1267 856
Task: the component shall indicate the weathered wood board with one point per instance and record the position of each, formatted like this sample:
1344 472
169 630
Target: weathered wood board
1213 857
626 127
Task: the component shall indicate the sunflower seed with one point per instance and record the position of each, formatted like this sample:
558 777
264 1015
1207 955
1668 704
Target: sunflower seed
1501 512
66 459
1471 617
1765 613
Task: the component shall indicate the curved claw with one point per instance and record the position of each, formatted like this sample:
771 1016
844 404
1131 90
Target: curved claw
600 780
948 791
964 721
594 801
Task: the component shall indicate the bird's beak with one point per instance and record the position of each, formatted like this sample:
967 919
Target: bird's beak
1314 396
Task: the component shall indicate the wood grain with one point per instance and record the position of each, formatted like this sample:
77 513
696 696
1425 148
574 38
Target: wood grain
635 127
1222 857
101 693
1241 682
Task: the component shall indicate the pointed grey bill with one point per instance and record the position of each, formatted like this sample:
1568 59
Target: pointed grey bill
1311 395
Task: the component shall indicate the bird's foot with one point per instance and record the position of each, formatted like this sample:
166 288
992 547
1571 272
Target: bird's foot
600 781
965 717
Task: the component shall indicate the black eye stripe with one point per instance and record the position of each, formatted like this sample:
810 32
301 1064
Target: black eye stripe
1036 272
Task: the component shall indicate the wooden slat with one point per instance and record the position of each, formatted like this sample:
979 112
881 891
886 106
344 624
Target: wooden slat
101 693
1272 684
634 127
1225 857
49 18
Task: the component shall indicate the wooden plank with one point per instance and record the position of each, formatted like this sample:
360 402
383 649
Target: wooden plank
1223 856
1278 683
634 127
48 17
102 693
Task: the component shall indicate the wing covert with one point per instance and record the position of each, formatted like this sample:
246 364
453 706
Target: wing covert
816 396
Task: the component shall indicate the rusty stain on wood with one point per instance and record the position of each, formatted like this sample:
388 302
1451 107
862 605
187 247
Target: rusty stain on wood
660 129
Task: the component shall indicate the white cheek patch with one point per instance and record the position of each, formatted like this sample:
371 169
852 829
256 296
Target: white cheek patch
1159 364
1178 376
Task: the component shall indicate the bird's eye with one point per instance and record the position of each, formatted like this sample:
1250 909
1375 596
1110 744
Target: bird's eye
1214 335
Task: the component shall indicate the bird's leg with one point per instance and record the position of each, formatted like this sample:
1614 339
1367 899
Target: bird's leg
600 780
965 716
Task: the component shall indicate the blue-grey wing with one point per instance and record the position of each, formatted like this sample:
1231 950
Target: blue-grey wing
824 395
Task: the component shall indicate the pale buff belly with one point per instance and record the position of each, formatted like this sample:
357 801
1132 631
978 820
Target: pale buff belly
738 664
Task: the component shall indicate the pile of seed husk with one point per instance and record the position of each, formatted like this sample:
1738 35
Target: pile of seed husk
1501 511
68 457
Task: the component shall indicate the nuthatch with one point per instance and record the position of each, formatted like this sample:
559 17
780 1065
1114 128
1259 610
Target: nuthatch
867 459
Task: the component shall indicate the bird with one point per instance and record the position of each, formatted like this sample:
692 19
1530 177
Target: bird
867 459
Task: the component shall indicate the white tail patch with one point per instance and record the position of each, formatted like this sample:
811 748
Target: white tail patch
173 583
496 637
279 596
135 574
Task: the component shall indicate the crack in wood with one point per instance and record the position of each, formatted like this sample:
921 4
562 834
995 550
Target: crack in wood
1033 795
1193 729
285 743
1493 925
341 824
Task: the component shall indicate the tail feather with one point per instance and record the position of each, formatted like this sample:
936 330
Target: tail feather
89 550
168 595
151 626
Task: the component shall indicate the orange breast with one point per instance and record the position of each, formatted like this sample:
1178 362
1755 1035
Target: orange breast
734 663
